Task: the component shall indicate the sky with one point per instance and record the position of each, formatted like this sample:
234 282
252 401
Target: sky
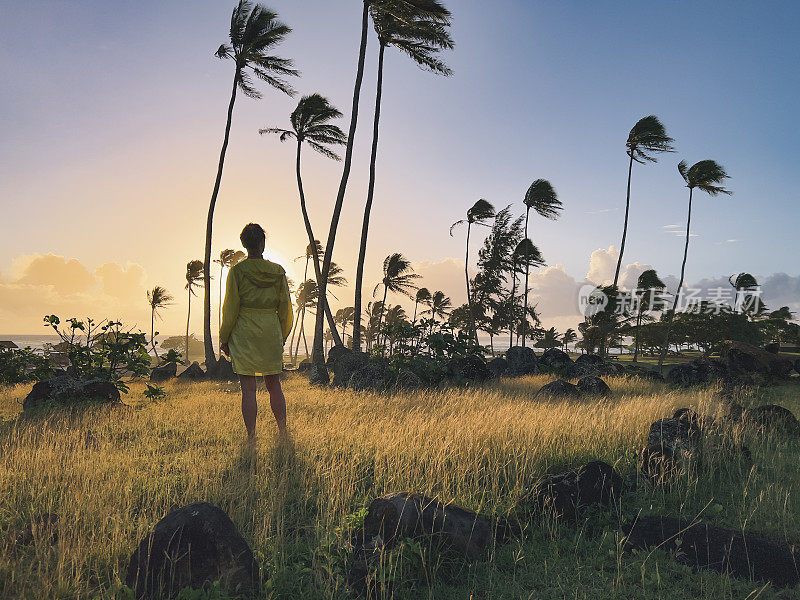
112 116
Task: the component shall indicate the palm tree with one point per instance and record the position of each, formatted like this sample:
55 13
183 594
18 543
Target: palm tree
308 296
398 278
344 316
194 273
255 31
526 255
570 336
742 283
158 298
420 35
422 296
705 175
542 198
647 136
439 306
478 214
647 286
227 258
311 123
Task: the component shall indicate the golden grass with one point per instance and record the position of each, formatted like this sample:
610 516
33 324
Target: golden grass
111 474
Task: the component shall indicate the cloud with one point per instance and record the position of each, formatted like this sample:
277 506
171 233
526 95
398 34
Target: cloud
64 276
602 264
121 282
673 226
446 275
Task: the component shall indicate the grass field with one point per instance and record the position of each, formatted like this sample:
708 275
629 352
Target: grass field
111 474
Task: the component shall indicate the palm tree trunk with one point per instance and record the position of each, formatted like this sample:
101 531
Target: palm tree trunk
625 226
313 244
301 334
527 269
638 328
380 314
362 251
188 316
337 209
211 358
153 329
513 306
671 315
294 330
416 303
473 332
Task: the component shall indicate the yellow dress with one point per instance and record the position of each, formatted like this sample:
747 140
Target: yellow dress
256 316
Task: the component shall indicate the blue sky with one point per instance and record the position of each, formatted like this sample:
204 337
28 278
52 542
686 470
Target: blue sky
112 116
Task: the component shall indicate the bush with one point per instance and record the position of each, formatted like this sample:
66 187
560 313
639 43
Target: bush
20 366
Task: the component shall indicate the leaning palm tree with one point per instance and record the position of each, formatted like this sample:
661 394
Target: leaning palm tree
478 214
344 316
542 198
311 123
227 259
420 35
706 175
398 278
194 273
255 31
646 138
742 283
648 285
422 296
158 298
439 306
524 256
569 337
397 7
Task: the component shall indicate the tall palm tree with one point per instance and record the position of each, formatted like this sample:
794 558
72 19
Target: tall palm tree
541 197
478 214
255 31
646 138
422 296
524 256
741 283
398 7
194 273
647 286
311 123
398 278
706 175
227 259
439 306
158 298
420 35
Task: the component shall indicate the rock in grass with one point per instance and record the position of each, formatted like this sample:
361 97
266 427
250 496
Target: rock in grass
742 554
335 353
370 377
224 370
594 386
498 366
555 359
318 375
672 444
697 372
468 369
565 494
772 418
407 380
305 365
559 389
521 361
192 547
164 373
346 363
65 390
745 359
193 372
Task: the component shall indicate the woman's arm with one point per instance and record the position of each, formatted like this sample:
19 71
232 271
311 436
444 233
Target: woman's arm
285 315
230 308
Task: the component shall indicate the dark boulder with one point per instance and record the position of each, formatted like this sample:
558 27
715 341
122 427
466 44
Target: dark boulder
305 365
594 364
773 348
224 370
797 366
370 377
743 360
192 547
65 390
559 389
408 380
468 369
555 359
498 367
594 385
164 373
565 494
318 375
335 353
645 373
741 554
772 417
346 363
697 372
521 361
672 445
193 372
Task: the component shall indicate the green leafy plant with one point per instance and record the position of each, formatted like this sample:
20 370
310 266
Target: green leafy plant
21 365
154 392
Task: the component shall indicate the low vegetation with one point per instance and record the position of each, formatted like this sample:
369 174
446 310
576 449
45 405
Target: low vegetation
107 475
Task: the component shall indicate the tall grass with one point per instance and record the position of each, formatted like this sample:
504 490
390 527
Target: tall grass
111 474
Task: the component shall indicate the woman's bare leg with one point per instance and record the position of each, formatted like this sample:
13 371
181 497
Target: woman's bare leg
249 404
276 400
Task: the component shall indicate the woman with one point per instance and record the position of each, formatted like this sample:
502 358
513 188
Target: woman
256 320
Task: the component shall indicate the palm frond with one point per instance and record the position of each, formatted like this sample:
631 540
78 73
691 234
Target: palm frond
648 136
541 197
705 175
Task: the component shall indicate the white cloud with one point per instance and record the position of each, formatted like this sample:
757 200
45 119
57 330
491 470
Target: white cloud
602 264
